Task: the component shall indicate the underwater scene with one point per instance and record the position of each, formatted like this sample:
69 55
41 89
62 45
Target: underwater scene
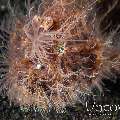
59 59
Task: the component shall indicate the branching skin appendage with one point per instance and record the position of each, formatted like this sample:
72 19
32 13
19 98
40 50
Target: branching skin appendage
54 57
